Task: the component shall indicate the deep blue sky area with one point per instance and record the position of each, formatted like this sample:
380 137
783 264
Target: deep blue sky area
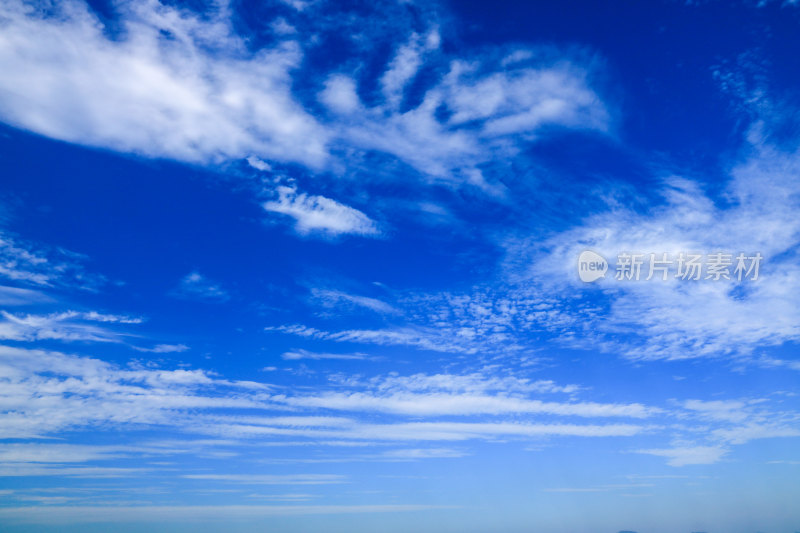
466 266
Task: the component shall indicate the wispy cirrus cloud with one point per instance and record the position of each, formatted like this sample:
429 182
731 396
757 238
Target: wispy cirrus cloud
162 81
417 337
320 215
494 106
82 392
64 326
463 404
296 355
163 348
682 456
475 383
339 299
15 296
53 453
195 286
41 266
461 395
716 426
46 393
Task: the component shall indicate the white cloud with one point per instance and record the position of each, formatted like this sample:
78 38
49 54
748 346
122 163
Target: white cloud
422 338
47 392
461 395
295 355
173 84
469 383
454 431
94 472
163 348
411 454
522 100
196 286
405 64
281 27
57 453
44 392
12 296
434 431
288 421
340 94
26 263
258 164
752 431
65 326
437 404
299 5
319 214
338 299
682 456
494 111
538 291
717 425
725 410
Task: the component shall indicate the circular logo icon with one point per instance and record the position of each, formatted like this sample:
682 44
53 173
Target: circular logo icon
591 266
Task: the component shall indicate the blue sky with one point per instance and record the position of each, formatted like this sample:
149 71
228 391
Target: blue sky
307 265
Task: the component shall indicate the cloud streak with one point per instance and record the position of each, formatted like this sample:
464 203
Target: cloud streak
320 215
174 84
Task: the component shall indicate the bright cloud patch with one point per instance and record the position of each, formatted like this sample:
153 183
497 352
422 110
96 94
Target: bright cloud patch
320 214
173 85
